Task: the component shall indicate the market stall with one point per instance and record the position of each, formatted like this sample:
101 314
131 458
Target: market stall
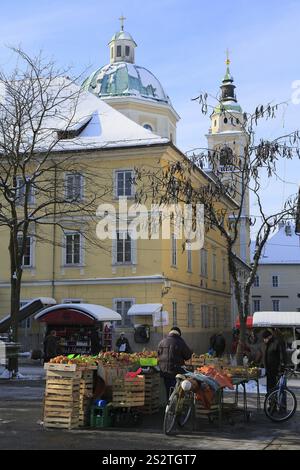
76 325
72 398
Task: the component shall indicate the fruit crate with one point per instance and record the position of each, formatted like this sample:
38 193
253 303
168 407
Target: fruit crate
152 384
61 403
129 391
85 397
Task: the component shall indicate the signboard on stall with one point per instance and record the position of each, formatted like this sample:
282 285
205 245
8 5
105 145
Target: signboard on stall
160 319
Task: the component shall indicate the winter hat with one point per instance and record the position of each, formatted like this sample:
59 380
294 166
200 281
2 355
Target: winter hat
175 330
266 334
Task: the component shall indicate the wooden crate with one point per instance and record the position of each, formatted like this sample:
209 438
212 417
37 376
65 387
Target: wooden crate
152 384
62 393
129 392
109 373
85 398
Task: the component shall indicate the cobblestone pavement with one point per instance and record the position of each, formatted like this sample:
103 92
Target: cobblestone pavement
21 428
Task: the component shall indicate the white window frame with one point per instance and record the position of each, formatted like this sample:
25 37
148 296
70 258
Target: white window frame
81 249
132 186
174 313
32 252
81 187
20 192
278 303
133 255
275 276
122 323
256 302
173 250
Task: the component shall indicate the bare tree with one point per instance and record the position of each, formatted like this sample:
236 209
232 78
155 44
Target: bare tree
234 175
38 106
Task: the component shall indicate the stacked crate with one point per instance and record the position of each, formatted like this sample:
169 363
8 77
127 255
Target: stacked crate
86 394
128 392
61 405
152 384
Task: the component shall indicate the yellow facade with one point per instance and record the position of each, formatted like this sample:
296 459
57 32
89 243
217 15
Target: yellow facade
151 278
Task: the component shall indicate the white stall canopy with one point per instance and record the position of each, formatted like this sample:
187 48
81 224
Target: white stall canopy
276 319
144 309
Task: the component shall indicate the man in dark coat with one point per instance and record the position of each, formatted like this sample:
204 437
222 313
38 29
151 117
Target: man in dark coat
50 346
275 358
217 343
172 352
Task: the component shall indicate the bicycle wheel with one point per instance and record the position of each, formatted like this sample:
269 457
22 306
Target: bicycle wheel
280 406
170 413
184 409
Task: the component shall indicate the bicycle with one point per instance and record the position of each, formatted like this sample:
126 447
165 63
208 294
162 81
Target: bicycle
281 403
179 407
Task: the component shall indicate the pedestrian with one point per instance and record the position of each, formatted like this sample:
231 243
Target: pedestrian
123 344
275 357
96 345
50 346
172 353
217 343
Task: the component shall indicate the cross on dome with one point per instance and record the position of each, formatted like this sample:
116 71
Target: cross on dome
122 19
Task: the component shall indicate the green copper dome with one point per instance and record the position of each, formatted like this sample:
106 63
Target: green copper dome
125 79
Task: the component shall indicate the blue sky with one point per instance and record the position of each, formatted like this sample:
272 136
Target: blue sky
183 43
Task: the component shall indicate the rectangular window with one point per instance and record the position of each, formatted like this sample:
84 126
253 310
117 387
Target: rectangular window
27 257
203 262
119 51
73 248
174 249
127 51
204 316
124 183
122 306
276 305
174 312
215 319
124 248
256 305
226 318
74 187
256 281
189 258
275 281
190 314
21 191
214 267
224 269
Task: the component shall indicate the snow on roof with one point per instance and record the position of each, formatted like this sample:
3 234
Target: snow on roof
103 126
273 319
282 248
98 312
144 309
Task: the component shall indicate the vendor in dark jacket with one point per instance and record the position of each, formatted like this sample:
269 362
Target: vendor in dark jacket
275 358
172 352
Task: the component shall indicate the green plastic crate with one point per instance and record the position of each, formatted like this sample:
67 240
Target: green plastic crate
148 361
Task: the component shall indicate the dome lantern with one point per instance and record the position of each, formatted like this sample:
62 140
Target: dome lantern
122 46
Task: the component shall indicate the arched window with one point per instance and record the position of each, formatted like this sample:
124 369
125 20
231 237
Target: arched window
119 51
226 156
148 127
127 51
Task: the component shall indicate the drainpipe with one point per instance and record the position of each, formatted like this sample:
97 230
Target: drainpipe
54 234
